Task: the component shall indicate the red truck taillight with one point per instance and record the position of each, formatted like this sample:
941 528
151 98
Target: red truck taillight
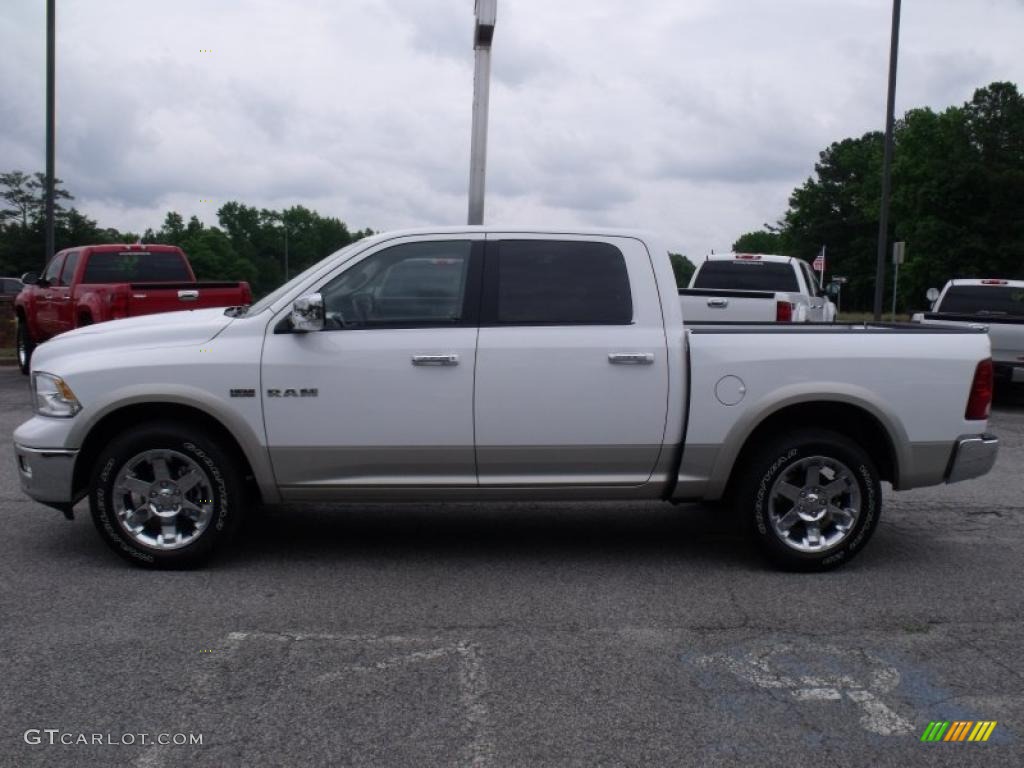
783 312
979 404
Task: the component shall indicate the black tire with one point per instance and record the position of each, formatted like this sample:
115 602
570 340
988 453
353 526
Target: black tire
766 506
183 451
25 346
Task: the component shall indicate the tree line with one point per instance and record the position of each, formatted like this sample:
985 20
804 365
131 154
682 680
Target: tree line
957 201
248 243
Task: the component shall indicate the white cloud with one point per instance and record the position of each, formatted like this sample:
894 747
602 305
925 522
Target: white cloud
694 118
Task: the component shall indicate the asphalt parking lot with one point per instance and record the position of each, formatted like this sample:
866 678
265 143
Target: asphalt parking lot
517 635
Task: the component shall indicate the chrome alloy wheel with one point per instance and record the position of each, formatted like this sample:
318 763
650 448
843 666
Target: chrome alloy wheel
162 499
814 504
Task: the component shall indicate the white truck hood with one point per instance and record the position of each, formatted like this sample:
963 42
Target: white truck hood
166 329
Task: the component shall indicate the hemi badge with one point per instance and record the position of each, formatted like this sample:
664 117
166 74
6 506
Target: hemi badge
243 393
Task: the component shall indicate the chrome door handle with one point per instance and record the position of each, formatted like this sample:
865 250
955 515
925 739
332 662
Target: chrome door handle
718 303
435 359
631 358
188 295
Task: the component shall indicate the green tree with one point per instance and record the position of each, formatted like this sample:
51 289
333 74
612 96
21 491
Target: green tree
683 269
767 240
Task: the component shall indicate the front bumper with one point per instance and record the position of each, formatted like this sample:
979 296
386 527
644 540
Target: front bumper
46 474
973 456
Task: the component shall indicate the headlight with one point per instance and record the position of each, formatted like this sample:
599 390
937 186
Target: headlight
53 396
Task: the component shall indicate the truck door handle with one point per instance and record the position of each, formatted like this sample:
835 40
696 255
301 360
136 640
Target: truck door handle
435 359
188 295
631 358
718 303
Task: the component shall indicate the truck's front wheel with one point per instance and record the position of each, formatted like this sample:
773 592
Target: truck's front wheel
165 496
813 498
25 345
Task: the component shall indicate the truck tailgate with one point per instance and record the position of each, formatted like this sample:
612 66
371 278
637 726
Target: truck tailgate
151 298
716 305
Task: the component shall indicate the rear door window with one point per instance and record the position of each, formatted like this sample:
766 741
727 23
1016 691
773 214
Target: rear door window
747 276
547 282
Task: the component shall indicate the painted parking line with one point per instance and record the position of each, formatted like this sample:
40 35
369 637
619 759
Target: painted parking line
761 667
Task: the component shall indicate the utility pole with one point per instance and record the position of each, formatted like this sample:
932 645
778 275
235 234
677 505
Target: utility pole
486 16
50 123
883 215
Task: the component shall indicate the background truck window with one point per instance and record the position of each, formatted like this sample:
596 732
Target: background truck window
747 276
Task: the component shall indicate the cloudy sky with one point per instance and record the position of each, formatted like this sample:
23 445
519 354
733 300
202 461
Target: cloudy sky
695 118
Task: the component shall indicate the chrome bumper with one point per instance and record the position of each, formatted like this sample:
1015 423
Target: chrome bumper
46 474
973 456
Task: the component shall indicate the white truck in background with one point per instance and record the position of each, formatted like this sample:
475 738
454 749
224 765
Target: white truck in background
755 287
996 304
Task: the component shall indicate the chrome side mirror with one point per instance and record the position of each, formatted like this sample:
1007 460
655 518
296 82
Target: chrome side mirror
308 313
932 294
30 278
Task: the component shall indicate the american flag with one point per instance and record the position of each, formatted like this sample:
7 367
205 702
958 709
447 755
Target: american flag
819 261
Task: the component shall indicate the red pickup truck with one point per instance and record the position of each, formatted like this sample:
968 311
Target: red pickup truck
94 283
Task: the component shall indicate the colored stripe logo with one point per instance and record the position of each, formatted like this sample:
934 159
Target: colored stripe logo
958 730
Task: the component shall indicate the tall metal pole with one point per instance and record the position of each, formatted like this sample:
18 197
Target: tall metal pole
486 12
50 123
883 214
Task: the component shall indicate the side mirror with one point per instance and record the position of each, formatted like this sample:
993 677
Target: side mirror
308 313
932 294
30 278
832 290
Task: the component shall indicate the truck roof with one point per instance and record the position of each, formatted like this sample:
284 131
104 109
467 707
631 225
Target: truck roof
995 282
767 257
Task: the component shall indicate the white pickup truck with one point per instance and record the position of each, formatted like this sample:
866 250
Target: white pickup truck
481 364
995 304
755 287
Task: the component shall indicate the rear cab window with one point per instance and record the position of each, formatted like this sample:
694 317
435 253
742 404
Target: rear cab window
744 275
557 282
136 267
984 300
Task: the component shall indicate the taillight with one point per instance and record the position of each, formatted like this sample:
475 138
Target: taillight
979 404
783 312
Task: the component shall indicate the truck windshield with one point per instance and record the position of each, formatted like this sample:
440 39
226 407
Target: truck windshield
747 276
984 300
136 267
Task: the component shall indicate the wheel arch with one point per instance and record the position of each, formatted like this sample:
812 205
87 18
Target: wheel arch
856 420
125 417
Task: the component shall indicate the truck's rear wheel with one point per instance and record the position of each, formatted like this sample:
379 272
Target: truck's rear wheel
812 497
25 346
165 496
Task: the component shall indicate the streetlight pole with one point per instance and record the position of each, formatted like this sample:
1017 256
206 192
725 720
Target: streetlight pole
51 23
285 227
883 214
486 15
